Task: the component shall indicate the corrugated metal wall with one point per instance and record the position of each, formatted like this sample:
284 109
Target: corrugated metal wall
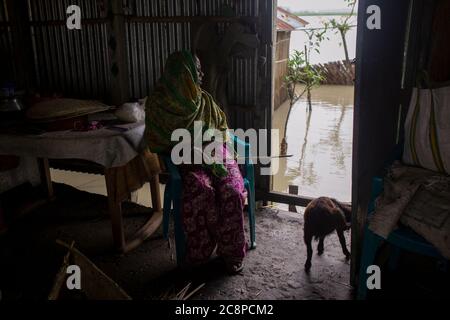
77 63
6 44
73 62
150 42
191 8
80 63
242 82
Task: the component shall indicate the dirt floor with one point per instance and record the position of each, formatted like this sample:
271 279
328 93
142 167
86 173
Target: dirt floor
29 257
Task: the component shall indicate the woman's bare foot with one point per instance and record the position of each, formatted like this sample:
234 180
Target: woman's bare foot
234 265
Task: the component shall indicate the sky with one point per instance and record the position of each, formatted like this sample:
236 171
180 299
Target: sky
313 5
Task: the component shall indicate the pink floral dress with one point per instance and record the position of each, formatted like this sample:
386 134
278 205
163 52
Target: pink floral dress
212 211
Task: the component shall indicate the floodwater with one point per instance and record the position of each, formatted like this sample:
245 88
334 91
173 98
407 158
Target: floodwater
320 143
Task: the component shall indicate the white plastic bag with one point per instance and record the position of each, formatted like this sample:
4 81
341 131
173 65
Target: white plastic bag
131 112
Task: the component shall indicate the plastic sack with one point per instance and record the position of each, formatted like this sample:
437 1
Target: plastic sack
131 112
427 130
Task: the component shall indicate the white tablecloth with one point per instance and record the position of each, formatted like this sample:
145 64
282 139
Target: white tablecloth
107 147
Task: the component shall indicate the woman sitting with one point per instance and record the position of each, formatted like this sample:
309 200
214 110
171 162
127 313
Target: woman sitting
213 195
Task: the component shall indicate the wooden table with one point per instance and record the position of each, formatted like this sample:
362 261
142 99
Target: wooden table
80 162
114 205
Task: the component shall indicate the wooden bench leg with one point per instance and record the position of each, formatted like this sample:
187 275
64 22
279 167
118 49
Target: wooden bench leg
46 178
155 192
155 220
134 196
115 210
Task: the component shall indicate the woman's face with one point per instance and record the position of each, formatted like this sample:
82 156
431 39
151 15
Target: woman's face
200 73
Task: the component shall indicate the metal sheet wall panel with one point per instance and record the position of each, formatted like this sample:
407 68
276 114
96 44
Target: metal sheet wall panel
76 63
189 8
242 82
3 11
149 45
72 62
6 46
47 10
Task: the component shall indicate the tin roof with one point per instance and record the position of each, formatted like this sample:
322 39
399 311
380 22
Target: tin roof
287 21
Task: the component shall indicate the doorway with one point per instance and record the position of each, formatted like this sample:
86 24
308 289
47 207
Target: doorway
313 150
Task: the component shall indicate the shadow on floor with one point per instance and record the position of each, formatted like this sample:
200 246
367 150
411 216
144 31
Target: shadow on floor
29 257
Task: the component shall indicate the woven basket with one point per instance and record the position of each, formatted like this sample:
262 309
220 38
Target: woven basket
62 109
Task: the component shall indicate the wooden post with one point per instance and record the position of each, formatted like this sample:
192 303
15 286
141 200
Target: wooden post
377 103
155 193
134 196
46 179
22 43
115 210
266 83
120 92
293 190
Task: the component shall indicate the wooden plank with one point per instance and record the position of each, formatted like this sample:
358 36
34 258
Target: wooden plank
115 211
279 197
266 82
294 191
61 275
155 193
46 179
120 92
336 73
283 41
201 19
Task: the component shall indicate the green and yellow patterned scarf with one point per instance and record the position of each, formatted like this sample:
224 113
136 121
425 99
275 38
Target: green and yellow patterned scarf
177 102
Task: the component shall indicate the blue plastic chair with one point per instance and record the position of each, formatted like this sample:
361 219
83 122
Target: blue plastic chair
172 200
402 238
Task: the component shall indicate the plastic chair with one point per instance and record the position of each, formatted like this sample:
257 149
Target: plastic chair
172 200
402 238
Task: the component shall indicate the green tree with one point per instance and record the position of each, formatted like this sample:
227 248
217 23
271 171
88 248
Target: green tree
342 26
301 72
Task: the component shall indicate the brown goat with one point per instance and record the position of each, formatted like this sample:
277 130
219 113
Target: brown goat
323 216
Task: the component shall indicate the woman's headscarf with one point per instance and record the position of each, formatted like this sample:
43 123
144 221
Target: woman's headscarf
177 102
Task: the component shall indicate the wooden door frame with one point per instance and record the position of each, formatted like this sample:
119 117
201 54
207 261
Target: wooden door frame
378 105
379 108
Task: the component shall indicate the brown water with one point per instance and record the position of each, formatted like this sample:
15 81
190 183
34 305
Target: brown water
320 143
